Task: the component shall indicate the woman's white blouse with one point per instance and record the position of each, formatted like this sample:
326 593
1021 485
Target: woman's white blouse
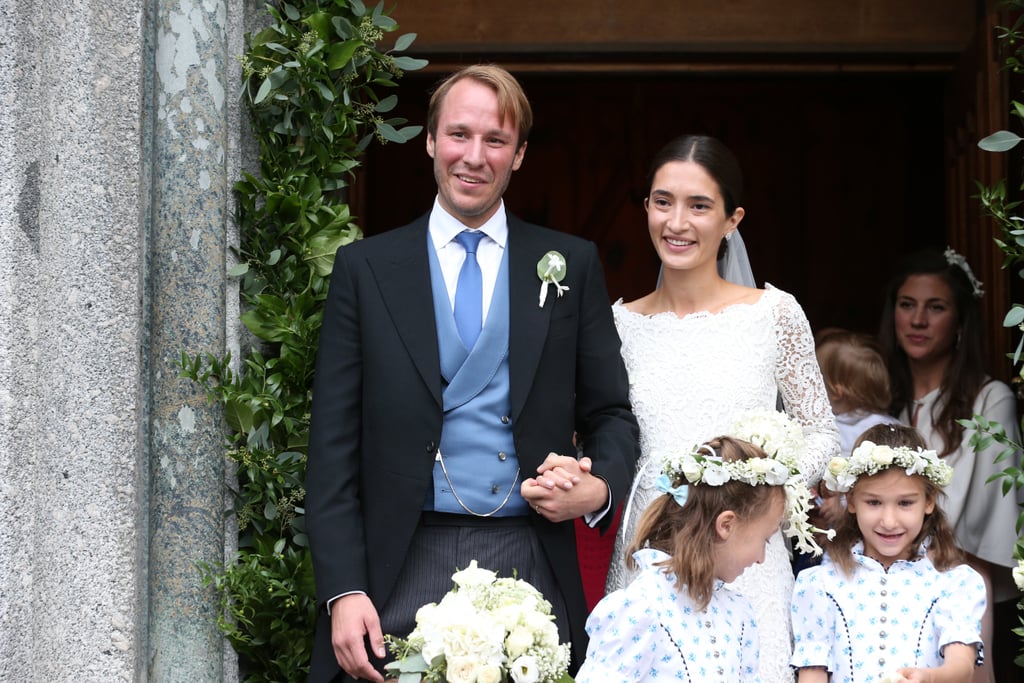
648 631
866 626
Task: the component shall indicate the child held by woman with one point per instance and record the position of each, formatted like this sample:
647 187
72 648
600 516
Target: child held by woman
719 507
896 602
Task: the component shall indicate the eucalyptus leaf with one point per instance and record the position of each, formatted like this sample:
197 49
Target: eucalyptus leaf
1000 141
404 41
387 104
410 63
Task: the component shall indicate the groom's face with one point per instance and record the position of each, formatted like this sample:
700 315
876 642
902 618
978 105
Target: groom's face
474 152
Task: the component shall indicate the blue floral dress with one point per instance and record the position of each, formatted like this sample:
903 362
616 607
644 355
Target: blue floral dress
649 631
864 627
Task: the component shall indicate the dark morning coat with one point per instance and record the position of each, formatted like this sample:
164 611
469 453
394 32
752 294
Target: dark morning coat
376 417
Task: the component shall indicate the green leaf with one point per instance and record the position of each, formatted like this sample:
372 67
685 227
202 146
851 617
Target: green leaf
279 48
410 64
325 91
265 89
358 8
290 11
1014 317
340 54
238 269
404 41
239 415
387 104
1000 141
320 22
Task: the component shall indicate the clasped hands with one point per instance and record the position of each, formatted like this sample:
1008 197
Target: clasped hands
565 489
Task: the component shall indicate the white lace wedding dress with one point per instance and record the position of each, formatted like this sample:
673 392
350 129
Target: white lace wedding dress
689 378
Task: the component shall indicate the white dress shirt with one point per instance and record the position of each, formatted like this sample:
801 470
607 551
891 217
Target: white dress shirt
443 228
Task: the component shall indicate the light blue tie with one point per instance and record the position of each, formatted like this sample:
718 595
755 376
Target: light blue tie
469 294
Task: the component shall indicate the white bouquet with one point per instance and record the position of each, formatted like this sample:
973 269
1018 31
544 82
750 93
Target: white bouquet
484 630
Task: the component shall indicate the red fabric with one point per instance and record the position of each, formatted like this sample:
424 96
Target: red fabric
595 553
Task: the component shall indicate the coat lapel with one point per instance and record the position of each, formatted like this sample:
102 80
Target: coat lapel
528 322
404 281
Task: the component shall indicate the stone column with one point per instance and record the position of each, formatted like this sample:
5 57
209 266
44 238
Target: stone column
73 469
190 86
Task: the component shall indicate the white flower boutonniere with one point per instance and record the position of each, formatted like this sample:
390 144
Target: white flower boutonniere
551 271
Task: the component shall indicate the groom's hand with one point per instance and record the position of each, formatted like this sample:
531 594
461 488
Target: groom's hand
565 489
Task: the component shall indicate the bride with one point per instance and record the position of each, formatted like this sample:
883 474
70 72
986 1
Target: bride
700 350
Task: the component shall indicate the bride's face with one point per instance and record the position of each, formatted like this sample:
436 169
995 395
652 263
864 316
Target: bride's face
686 216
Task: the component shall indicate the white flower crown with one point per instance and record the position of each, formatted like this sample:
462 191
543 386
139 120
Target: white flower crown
954 258
871 458
782 441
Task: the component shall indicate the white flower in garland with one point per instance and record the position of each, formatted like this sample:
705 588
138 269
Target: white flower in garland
957 259
782 441
871 458
486 629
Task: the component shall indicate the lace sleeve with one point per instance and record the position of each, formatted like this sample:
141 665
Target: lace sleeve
802 388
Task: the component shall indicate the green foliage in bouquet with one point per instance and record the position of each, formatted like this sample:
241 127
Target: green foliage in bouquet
998 202
312 82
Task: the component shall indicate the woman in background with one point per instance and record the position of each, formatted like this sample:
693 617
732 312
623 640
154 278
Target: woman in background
931 335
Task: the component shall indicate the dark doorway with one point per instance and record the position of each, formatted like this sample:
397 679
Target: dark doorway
845 172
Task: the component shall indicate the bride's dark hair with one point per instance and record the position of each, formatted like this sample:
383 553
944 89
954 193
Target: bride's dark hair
688 533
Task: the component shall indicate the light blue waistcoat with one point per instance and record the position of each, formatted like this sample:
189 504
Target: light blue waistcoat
476 436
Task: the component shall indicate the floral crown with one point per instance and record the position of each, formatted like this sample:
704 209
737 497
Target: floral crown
782 441
871 458
954 258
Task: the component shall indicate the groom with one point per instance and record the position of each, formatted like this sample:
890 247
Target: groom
449 401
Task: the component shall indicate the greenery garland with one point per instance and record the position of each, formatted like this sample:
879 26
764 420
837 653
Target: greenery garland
1009 218
311 84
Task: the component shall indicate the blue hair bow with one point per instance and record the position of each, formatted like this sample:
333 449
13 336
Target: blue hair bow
679 493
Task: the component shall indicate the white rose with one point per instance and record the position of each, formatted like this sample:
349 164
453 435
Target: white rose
691 468
1018 575
836 465
518 641
462 670
882 455
489 673
473 576
894 677
525 670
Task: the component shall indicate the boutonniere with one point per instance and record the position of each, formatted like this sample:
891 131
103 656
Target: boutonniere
551 271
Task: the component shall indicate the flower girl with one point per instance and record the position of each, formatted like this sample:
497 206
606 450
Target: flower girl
676 620
896 602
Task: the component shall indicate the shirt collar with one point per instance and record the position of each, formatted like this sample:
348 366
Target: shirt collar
443 226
